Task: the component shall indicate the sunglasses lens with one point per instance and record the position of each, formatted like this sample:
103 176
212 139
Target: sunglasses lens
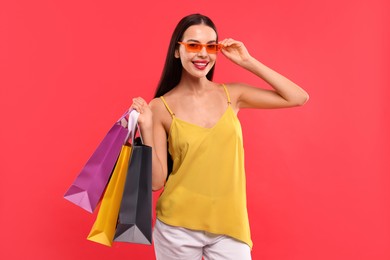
212 48
194 47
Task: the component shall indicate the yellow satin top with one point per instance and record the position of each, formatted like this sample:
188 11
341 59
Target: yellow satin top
207 188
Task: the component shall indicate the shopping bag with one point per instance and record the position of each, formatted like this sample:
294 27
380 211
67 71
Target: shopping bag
88 187
135 214
103 230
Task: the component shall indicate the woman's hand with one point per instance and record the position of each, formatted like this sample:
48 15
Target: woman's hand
145 119
235 51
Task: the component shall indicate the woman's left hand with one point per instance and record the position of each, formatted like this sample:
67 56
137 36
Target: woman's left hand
235 51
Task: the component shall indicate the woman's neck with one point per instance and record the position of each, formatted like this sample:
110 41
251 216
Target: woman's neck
194 85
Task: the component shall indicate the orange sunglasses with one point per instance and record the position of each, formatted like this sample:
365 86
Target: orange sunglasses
197 47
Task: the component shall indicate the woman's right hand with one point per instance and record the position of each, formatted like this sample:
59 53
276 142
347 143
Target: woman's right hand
145 119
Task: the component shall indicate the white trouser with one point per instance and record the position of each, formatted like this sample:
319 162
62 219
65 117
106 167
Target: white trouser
173 243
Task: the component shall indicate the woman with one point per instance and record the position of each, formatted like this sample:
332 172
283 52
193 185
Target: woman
202 209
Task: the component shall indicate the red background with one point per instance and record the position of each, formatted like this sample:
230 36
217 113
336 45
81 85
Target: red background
318 175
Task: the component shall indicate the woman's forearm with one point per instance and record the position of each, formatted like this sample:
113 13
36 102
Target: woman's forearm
287 89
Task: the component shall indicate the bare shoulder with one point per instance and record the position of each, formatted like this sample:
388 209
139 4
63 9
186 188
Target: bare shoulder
156 104
160 113
235 90
158 108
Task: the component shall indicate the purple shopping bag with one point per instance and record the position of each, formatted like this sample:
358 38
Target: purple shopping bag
87 189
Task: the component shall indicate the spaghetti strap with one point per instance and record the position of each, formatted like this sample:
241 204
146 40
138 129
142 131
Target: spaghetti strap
166 105
227 93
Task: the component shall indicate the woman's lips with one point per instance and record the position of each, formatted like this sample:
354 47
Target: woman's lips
201 65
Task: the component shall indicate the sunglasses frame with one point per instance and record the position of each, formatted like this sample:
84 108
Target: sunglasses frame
203 45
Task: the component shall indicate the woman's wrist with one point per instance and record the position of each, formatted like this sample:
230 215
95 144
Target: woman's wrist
147 135
251 64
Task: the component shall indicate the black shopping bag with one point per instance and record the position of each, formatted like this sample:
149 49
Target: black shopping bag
135 214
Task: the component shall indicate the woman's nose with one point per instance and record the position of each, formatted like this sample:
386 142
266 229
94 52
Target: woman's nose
203 52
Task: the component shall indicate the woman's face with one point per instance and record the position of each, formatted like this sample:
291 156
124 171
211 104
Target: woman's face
197 64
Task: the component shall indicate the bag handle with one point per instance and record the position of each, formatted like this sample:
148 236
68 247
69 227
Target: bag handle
124 115
130 124
133 125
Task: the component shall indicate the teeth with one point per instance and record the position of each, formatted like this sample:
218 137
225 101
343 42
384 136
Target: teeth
200 64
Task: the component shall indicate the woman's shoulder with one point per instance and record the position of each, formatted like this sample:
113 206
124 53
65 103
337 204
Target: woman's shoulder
159 106
234 88
156 104
161 114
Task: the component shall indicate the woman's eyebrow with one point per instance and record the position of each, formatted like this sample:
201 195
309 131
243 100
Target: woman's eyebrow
193 40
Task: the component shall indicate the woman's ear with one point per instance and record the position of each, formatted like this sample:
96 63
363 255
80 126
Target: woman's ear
177 54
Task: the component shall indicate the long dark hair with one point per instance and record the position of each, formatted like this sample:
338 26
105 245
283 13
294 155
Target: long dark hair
172 69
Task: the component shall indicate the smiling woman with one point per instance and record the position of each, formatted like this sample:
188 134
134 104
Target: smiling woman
318 183
205 142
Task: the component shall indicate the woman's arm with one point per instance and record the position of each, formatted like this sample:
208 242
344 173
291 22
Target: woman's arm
285 93
154 135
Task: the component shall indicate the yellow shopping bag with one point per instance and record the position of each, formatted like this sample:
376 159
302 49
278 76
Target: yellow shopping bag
103 230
